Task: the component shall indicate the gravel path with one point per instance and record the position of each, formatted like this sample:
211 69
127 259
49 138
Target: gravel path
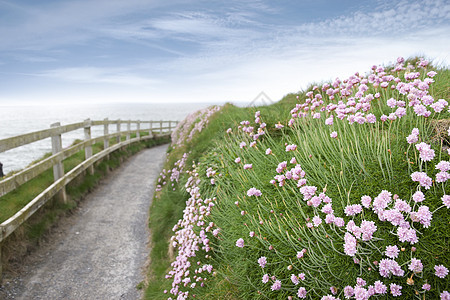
100 251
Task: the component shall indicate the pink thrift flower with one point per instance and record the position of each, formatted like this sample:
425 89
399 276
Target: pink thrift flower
252 234
294 279
380 287
445 295
392 251
262 261
440 271
339 222
292 147
333 134
371 118
254 192
395 289
446 200
442 177
240 243
229 130
418 197
301 293
365 201
443 166
268 151
426 287
407 235
350 244
242 145
248 166
348 292
265 278
276 285
308 192
317 221
415 265
426 153
367 229
237 160
423 179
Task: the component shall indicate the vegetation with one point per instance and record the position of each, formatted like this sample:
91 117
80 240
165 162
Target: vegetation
336 192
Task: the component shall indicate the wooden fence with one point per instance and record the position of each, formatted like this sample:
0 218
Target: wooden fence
144 130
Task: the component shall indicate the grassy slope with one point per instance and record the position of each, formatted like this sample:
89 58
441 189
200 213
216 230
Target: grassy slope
364 160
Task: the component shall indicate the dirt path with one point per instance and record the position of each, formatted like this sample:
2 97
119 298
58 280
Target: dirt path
100 252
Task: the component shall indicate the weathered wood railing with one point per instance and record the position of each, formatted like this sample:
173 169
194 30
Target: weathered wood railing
154 128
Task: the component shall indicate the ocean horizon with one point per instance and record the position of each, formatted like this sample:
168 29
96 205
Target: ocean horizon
20 119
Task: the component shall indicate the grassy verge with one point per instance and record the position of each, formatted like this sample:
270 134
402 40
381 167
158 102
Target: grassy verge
28 235
246 222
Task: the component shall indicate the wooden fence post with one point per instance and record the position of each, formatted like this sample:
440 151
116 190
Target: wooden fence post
138 133
58 168
105 133
150 131
118 131
128 129
170 126
1 268
88 149
160 126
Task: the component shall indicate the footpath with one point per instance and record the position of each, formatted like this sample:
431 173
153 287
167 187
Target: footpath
101 250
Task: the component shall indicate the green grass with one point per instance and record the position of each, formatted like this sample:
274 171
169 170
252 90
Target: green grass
363 160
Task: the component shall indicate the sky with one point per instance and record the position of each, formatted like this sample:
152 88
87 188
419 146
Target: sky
63 51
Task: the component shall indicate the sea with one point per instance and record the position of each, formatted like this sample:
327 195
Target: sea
20 119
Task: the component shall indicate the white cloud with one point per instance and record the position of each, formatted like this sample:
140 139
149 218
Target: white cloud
98 75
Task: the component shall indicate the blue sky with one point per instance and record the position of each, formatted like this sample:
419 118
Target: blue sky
60 51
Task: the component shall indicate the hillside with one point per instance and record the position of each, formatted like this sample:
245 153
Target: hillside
338 192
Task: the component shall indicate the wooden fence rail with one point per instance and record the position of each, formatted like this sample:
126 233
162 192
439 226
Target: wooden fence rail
155 128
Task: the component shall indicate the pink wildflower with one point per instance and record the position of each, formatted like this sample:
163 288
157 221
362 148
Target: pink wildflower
380 287
348 292
262 261
367 229
294 279
301 293
423 179
407 235
446 200
426 153
265 278
242 145
395 289
445 295
240 243
415 265
308 192
254 192
392 251
268 151
442 177
292 147
339 222
276 285
333 134
440 271
443 166
418 197
390 266
317 221
350 244
237 160
426 287
423 215
365 201
248 166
